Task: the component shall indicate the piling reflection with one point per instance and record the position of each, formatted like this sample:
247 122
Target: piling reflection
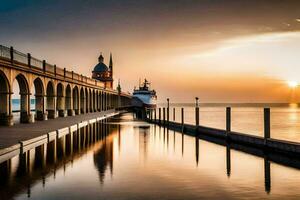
37 164
146 160
228 161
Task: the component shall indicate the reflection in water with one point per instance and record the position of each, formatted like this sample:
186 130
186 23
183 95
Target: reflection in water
228 161
103 158
72 167
197 150
37 164
267 175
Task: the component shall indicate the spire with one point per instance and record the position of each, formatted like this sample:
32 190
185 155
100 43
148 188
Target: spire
110 63
119 87
101 59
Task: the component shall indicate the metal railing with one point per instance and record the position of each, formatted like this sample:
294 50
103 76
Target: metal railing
26 59
36 63
4 52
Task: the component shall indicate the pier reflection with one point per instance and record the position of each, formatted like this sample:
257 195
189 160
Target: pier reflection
36 165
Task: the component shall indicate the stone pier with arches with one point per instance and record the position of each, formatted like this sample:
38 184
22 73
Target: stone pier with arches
57 92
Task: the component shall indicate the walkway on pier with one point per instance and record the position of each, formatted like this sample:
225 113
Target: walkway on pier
12 135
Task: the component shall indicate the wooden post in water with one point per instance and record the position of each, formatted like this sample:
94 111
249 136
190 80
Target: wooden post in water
182 118
168 110
174 114
164 115
197 112
266 123
155 115
159 115
228 120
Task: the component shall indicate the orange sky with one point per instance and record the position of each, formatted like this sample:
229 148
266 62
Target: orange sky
222 52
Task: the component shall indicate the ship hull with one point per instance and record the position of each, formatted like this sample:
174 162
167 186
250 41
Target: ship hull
147 101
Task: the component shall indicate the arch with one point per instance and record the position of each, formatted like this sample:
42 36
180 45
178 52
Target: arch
82 100
87 100
24 102
39 99
50 94
76 100
5 105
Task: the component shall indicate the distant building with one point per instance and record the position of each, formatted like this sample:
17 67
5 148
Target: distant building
103 73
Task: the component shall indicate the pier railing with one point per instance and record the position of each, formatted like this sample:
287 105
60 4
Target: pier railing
161 117
16 57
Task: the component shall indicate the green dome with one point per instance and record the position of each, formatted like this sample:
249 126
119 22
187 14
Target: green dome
100 67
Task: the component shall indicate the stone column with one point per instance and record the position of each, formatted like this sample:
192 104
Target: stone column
51 102
6 117
71 112
40 113
61 106
25 114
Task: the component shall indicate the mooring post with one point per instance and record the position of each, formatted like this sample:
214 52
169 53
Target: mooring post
266 123
159 115
197 112
164 115
174 114
228 120
182 118
168 109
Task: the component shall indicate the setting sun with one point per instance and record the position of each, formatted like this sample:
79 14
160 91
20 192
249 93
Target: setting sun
292 84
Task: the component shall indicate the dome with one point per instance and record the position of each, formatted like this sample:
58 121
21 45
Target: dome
100 67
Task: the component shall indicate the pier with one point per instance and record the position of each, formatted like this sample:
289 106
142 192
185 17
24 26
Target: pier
280 151
58 92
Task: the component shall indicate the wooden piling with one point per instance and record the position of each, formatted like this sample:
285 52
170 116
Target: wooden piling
197 113
174 114
168 110
228 119
266 123
197 116
155 114
182 118
164 115
159 115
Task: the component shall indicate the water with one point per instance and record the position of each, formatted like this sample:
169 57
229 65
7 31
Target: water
136 160
246 118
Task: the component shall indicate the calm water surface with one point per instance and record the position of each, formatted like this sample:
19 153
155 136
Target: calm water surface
135 160
285 119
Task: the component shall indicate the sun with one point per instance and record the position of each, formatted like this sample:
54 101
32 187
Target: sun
292 84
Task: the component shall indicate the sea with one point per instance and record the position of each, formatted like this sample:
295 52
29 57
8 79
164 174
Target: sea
246 118
132 159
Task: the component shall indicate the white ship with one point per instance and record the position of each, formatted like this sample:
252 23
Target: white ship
144 96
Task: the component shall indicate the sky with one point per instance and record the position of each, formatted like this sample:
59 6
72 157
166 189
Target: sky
220 51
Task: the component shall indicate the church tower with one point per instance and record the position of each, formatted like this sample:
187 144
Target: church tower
103 73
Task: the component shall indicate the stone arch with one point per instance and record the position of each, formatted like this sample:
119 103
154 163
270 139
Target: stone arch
87 100
5 96
50 94
82 100
76 100
25 113
39 99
